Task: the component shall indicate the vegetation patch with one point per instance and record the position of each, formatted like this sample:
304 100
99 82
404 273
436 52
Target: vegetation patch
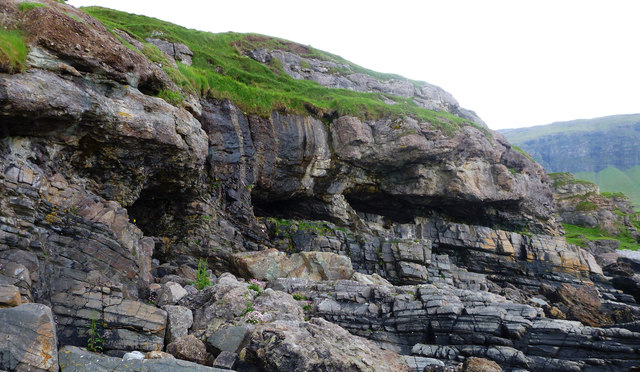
518 149
171 97
202 278
561 179
26 6
579 236
586 205
221 70
13 51
610 194
95 341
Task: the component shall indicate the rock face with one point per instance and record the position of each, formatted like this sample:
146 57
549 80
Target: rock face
430 248
386 244
272 264
179 320
28 339
289 161
177 51
450 324
188 348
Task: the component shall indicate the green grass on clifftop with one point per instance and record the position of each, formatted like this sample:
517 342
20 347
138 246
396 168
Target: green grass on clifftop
220 70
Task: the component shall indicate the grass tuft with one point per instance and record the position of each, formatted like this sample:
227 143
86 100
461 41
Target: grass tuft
26 6
13 51
171 97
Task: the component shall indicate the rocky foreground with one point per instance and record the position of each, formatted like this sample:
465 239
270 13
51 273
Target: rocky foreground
136 235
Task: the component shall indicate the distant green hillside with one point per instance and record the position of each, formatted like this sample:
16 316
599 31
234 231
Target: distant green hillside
615 180
618 122
604 150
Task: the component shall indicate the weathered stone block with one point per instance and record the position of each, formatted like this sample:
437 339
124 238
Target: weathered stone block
171 293
179 320
9 296
188 348
28 339
227 360
231 339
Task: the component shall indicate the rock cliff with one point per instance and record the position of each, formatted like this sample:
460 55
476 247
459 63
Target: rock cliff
150 216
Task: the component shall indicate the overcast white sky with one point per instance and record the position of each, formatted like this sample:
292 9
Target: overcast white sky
516 63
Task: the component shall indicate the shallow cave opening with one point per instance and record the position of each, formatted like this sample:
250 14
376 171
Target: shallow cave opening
297 208
404 209
160 212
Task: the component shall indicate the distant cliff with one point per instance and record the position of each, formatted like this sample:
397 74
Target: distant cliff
603 150
589 145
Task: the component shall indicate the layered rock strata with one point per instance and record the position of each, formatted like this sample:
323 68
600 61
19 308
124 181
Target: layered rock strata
115 205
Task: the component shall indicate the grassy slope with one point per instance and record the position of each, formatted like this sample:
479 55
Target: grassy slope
221 70
612 179
578 235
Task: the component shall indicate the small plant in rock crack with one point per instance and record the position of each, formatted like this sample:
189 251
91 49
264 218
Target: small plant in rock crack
202 280
256 285
95 341
299 297
153 298
254 317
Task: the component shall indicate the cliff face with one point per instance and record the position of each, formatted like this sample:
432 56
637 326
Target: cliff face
433 241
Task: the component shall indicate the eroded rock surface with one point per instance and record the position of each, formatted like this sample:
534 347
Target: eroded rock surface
318 345
75 359
28 340
443 322
437 245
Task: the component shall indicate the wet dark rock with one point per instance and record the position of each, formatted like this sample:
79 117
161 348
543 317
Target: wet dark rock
227 360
